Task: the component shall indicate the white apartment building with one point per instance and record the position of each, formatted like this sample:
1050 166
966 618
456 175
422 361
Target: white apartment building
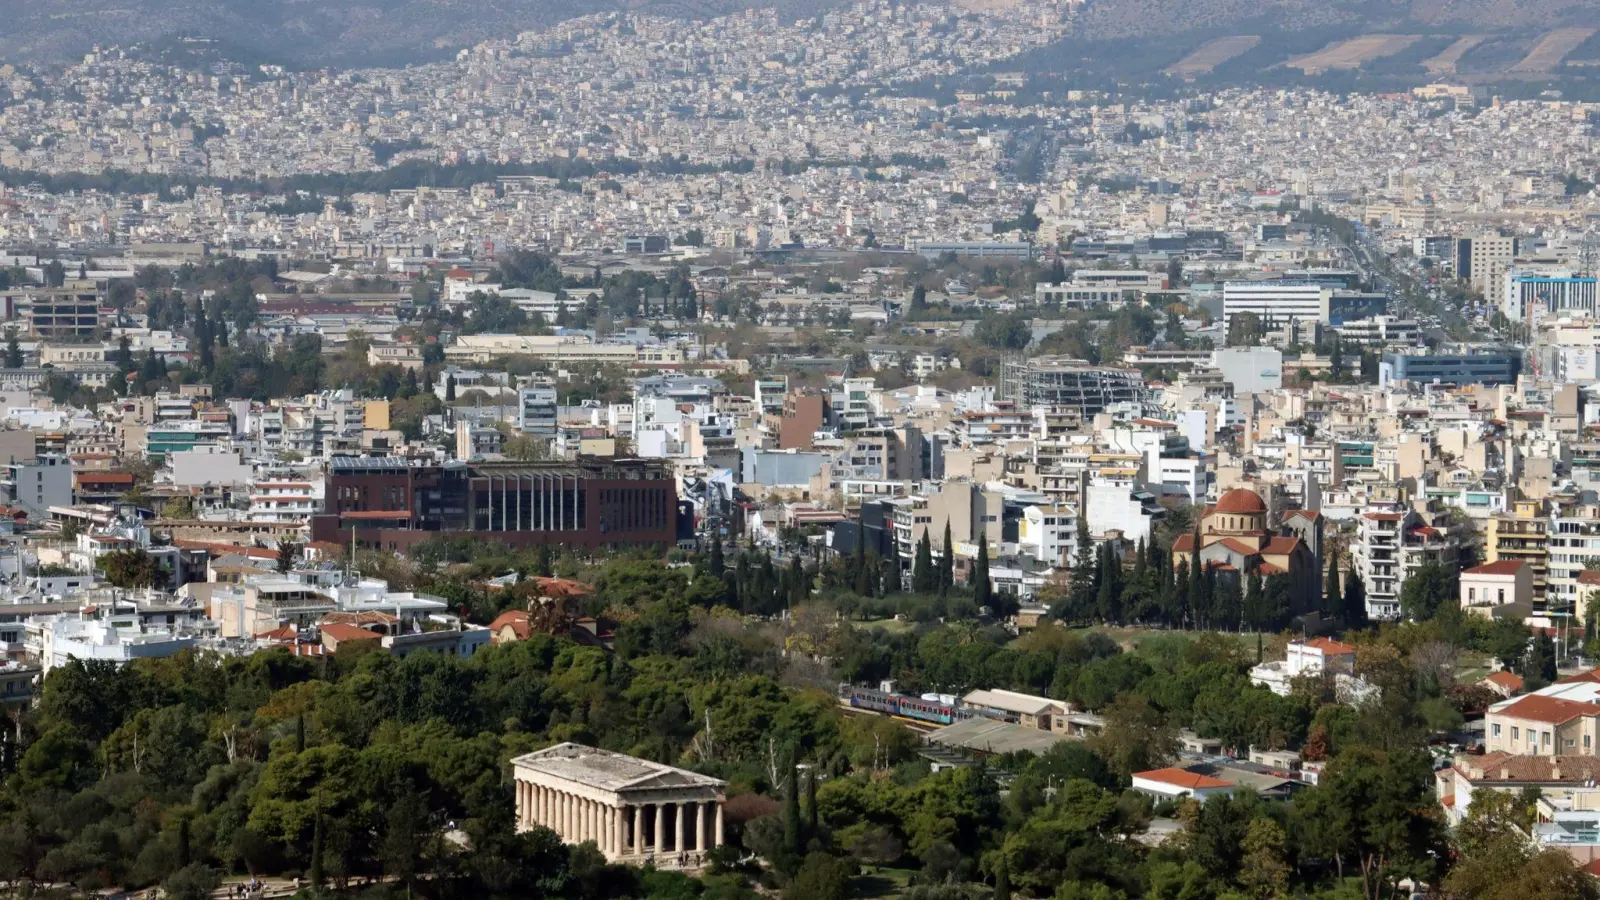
1489 257
1380 330
1391 545
1275 303
1574 541
284 502
536 409
117 638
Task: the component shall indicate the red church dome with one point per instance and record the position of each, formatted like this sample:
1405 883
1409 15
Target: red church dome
1241 502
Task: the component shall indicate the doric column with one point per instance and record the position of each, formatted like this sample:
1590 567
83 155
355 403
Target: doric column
638 830
569 816
619 832
588 820
719 824
683 828
546 814
699 826
661 828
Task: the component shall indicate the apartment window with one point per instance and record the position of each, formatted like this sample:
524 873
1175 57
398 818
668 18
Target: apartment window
1472 594
1515 732
1545 738
1502 595
1496 729
1586 743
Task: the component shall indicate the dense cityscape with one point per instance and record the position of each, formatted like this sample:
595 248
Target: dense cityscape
815 457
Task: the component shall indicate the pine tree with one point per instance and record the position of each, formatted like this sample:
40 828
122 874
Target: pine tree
947 563
1331 595
922 574
13 350
982 590
545 562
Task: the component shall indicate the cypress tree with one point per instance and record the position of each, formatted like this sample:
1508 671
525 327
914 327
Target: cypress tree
1355 600
982 590
947 563
1228 608
1108 602
922 575
793 838
1195 599
1002 882
889 577
718 564
865 572
183 841
450 388
1085 586
1331 595
300 733
315 871
812 831
799 584
1254 603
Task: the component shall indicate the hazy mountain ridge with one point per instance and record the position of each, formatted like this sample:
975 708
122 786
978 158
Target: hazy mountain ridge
309 33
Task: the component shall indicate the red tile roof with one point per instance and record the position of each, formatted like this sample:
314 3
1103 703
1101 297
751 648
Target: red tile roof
1550 710
92 477
1330 647
1238 546
1503 567
1183 778
1509 680
341 632
1281 546
1590 677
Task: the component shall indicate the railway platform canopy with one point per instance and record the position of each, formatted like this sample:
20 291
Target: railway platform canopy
980 735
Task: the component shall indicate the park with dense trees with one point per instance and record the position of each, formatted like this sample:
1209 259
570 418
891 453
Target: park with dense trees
363 773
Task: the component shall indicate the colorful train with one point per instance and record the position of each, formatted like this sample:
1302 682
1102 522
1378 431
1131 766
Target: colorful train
937 712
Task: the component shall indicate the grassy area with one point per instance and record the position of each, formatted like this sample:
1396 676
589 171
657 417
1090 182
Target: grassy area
882 881
1129 636
892 626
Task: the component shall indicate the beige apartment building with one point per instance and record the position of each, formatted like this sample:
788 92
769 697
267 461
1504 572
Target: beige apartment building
1543 725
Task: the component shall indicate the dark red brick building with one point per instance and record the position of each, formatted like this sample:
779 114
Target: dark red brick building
392 503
